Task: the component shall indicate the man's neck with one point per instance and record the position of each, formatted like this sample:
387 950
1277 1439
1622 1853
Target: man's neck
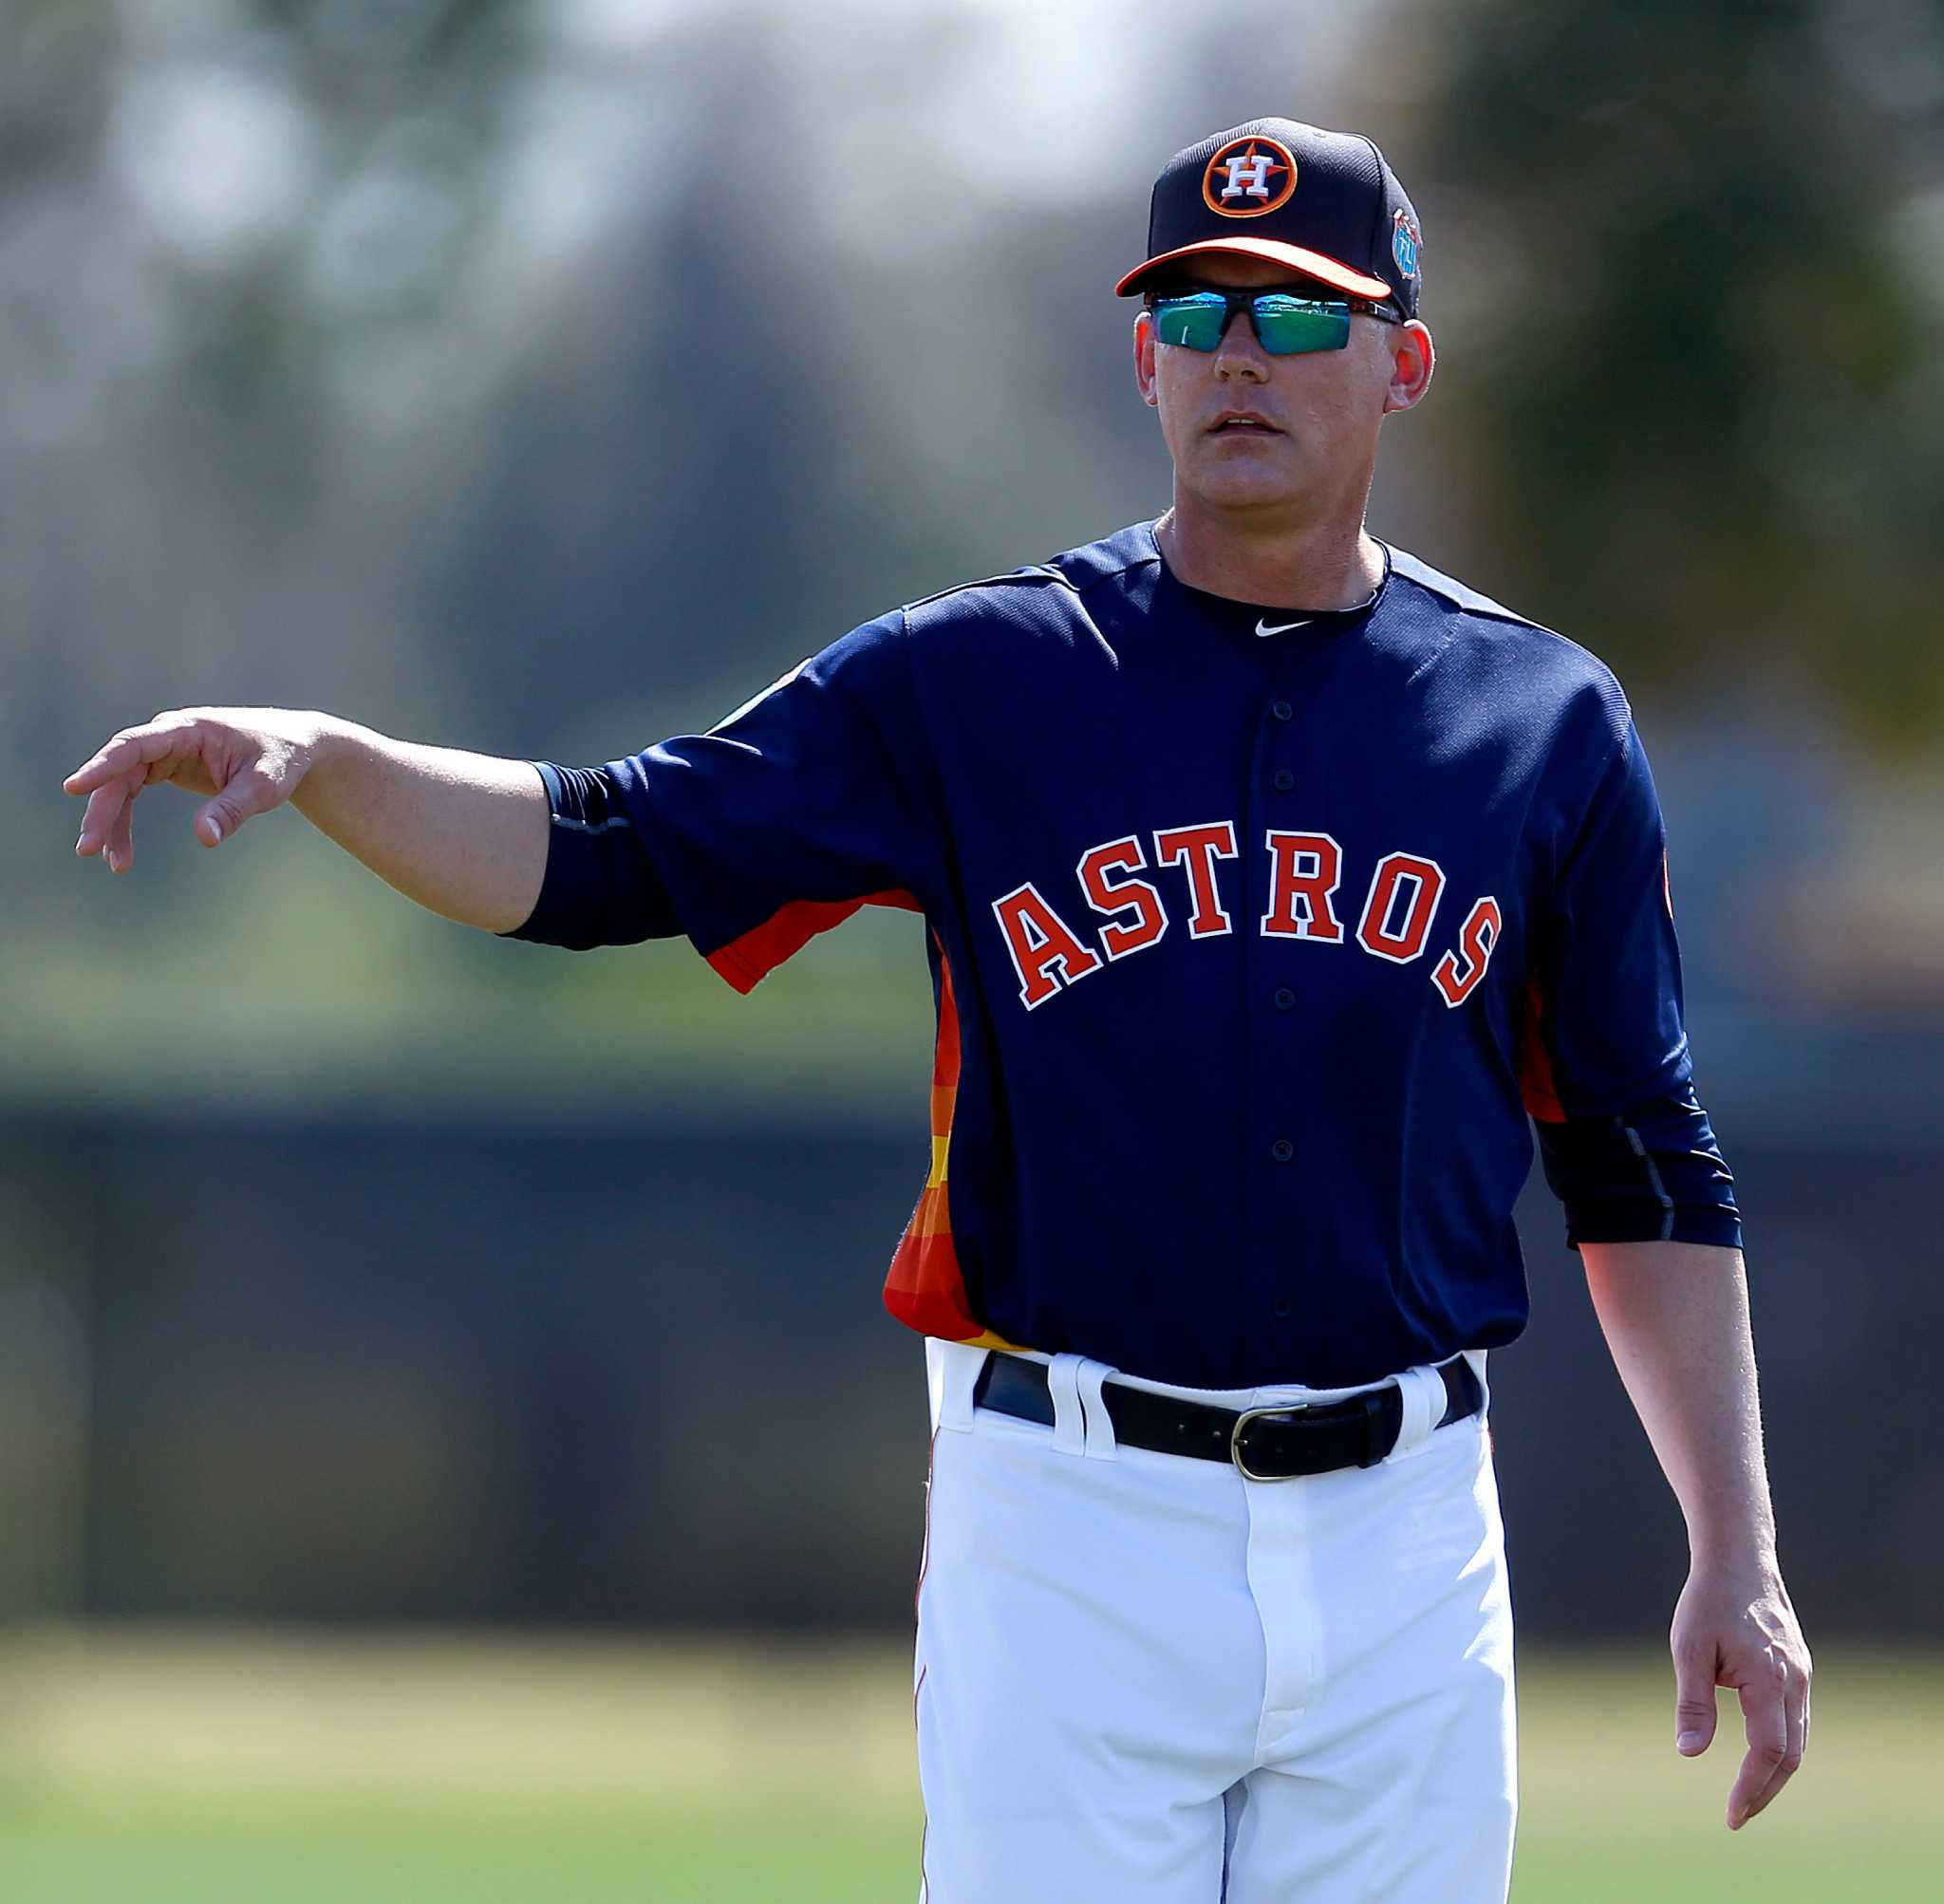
1316 564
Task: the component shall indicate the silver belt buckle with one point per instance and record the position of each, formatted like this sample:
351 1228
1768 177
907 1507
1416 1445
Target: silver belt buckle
1242 1421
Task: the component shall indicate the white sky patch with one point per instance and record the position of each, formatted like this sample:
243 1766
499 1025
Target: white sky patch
616 28
1042 103
931 110
218 157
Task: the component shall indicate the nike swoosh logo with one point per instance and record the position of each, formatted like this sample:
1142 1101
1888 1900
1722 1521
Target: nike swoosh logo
1284 627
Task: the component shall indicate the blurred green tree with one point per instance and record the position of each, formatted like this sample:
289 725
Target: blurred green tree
1703 244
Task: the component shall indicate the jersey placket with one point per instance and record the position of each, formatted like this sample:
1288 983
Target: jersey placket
1274 1001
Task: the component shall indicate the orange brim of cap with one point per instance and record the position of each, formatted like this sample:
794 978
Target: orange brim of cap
1271 250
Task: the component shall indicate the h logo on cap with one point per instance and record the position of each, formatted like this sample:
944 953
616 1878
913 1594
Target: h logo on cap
1249 172
1249 177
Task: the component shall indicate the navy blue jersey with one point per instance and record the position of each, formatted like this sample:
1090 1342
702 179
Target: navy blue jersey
1255 936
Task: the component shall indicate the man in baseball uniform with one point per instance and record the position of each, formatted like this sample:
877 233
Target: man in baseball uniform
1272 882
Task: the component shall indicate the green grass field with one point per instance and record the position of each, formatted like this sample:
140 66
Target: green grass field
148 1770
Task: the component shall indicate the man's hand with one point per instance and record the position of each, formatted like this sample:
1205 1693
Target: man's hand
1676 1318
465 834
251 759
1734 1626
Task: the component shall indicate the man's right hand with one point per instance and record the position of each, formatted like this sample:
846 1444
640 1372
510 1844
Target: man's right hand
251 759
464 834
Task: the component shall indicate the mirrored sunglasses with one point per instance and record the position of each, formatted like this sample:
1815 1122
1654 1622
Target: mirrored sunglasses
1286 325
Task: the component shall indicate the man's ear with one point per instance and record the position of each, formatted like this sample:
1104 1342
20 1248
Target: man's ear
1413 359
1144 355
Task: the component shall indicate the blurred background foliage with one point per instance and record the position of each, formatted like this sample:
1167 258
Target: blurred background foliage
1704 247
546 377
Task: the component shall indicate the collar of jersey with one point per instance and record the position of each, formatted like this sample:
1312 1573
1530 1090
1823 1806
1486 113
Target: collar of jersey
1319 624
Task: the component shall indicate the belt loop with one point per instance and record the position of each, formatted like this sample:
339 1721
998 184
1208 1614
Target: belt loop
952 1372
1101 1445
1423 1391
1069 1418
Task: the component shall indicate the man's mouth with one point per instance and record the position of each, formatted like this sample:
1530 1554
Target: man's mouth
1243 423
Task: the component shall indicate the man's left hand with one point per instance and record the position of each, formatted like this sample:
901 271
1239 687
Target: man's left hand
1734 1626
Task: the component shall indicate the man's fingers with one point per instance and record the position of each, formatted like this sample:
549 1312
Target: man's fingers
104 825
94 820
248 794
132 748
1795 1705
1766 1718
121 846
93 773
1741 1632
1693 1698
202 753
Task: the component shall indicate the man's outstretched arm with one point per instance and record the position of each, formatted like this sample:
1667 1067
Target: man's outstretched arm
464 834
1676 1316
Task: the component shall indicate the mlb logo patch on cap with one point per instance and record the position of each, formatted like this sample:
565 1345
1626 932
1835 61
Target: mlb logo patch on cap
1405 241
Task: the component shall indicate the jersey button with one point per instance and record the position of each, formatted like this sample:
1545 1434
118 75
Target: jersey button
1281 710
1284 780
1282 1149
1284 998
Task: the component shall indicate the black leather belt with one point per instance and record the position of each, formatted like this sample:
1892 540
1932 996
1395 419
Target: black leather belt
1266 1444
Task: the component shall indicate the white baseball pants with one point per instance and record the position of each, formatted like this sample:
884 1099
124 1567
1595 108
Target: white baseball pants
1143 1679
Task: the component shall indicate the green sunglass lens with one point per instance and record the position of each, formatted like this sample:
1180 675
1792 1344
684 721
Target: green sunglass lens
1287 325
1284 325
1195 322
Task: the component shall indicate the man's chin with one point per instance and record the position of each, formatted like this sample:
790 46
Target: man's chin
1257 484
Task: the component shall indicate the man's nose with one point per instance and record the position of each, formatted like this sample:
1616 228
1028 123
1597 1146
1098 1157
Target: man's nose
1238 353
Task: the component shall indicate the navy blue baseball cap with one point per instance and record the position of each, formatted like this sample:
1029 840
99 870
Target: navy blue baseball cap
1323 203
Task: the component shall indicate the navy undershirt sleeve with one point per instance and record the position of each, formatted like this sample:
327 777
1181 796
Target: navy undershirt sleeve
601 886
1651 1173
